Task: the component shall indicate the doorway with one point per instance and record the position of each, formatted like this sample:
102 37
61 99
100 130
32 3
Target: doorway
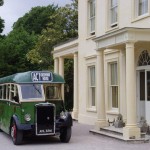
143 95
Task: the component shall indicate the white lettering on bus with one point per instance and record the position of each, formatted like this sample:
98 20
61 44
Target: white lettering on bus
35 77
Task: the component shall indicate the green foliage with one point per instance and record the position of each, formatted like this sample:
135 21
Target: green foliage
1 20
13 49
1 25
69 84
35 20
61 27
1 2
30 44
23 37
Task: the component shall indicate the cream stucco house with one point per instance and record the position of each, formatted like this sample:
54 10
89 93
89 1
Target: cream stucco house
111 63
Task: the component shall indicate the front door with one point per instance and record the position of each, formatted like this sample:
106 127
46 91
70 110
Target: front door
147 93
143 92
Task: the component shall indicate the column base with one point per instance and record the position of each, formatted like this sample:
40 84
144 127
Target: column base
75 114
100 124
131 132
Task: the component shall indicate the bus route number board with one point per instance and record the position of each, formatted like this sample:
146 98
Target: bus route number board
41 76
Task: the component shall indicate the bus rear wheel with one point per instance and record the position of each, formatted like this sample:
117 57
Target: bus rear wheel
16 134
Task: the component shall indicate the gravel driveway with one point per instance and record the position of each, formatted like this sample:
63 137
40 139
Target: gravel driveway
81 139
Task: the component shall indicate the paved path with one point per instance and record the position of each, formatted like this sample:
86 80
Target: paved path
81 140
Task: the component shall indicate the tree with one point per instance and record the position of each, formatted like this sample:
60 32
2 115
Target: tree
23 37
62 26
36 19
30 44
1 20
13 49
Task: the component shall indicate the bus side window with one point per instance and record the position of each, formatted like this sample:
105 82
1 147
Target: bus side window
52 92
7 90
14 93
16 96
11 89
1 90
4 91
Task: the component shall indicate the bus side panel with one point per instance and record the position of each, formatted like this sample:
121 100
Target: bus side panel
14 109
1 113
29 108
8 110
4 115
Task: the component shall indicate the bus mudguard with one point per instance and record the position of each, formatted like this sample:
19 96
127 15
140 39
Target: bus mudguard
68 120
21 126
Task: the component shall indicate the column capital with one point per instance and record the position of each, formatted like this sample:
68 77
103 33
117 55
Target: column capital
99 52
75 54
60 57
56 58
130 44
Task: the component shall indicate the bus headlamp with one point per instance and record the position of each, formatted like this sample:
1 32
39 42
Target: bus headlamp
63 115
27 117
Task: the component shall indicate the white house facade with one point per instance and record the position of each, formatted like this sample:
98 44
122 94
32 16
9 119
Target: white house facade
111 63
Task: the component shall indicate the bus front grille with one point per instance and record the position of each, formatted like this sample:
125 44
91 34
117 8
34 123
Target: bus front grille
45 119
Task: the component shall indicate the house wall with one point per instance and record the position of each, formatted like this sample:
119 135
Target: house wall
126 17
87 54
111 55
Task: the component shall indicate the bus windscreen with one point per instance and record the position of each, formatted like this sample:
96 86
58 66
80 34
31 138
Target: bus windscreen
31 91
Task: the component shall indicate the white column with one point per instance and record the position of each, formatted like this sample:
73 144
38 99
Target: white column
75 101
61 72
100 95
56 65
130 130
61 66
122 84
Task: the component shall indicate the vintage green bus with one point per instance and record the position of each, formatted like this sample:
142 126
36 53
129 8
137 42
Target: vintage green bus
31 104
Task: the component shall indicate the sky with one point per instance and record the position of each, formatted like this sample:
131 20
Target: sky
14 9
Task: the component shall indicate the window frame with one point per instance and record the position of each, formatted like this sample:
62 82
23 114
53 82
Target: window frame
8 91
91 18
136 15
31 99
58 93
91 101
138 8
112 86
112 9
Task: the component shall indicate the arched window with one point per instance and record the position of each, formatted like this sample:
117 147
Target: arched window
144 59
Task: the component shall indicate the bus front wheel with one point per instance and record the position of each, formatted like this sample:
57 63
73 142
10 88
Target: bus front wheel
16 134
65 134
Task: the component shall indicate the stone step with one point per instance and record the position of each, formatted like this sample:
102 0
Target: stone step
109 134
113 130
119 135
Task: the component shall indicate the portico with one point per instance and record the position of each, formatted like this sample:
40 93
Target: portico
127 42
118 75
61 52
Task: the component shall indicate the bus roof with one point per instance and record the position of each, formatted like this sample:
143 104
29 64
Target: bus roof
33 77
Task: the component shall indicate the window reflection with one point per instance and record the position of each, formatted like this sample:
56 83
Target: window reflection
31 91
53 92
